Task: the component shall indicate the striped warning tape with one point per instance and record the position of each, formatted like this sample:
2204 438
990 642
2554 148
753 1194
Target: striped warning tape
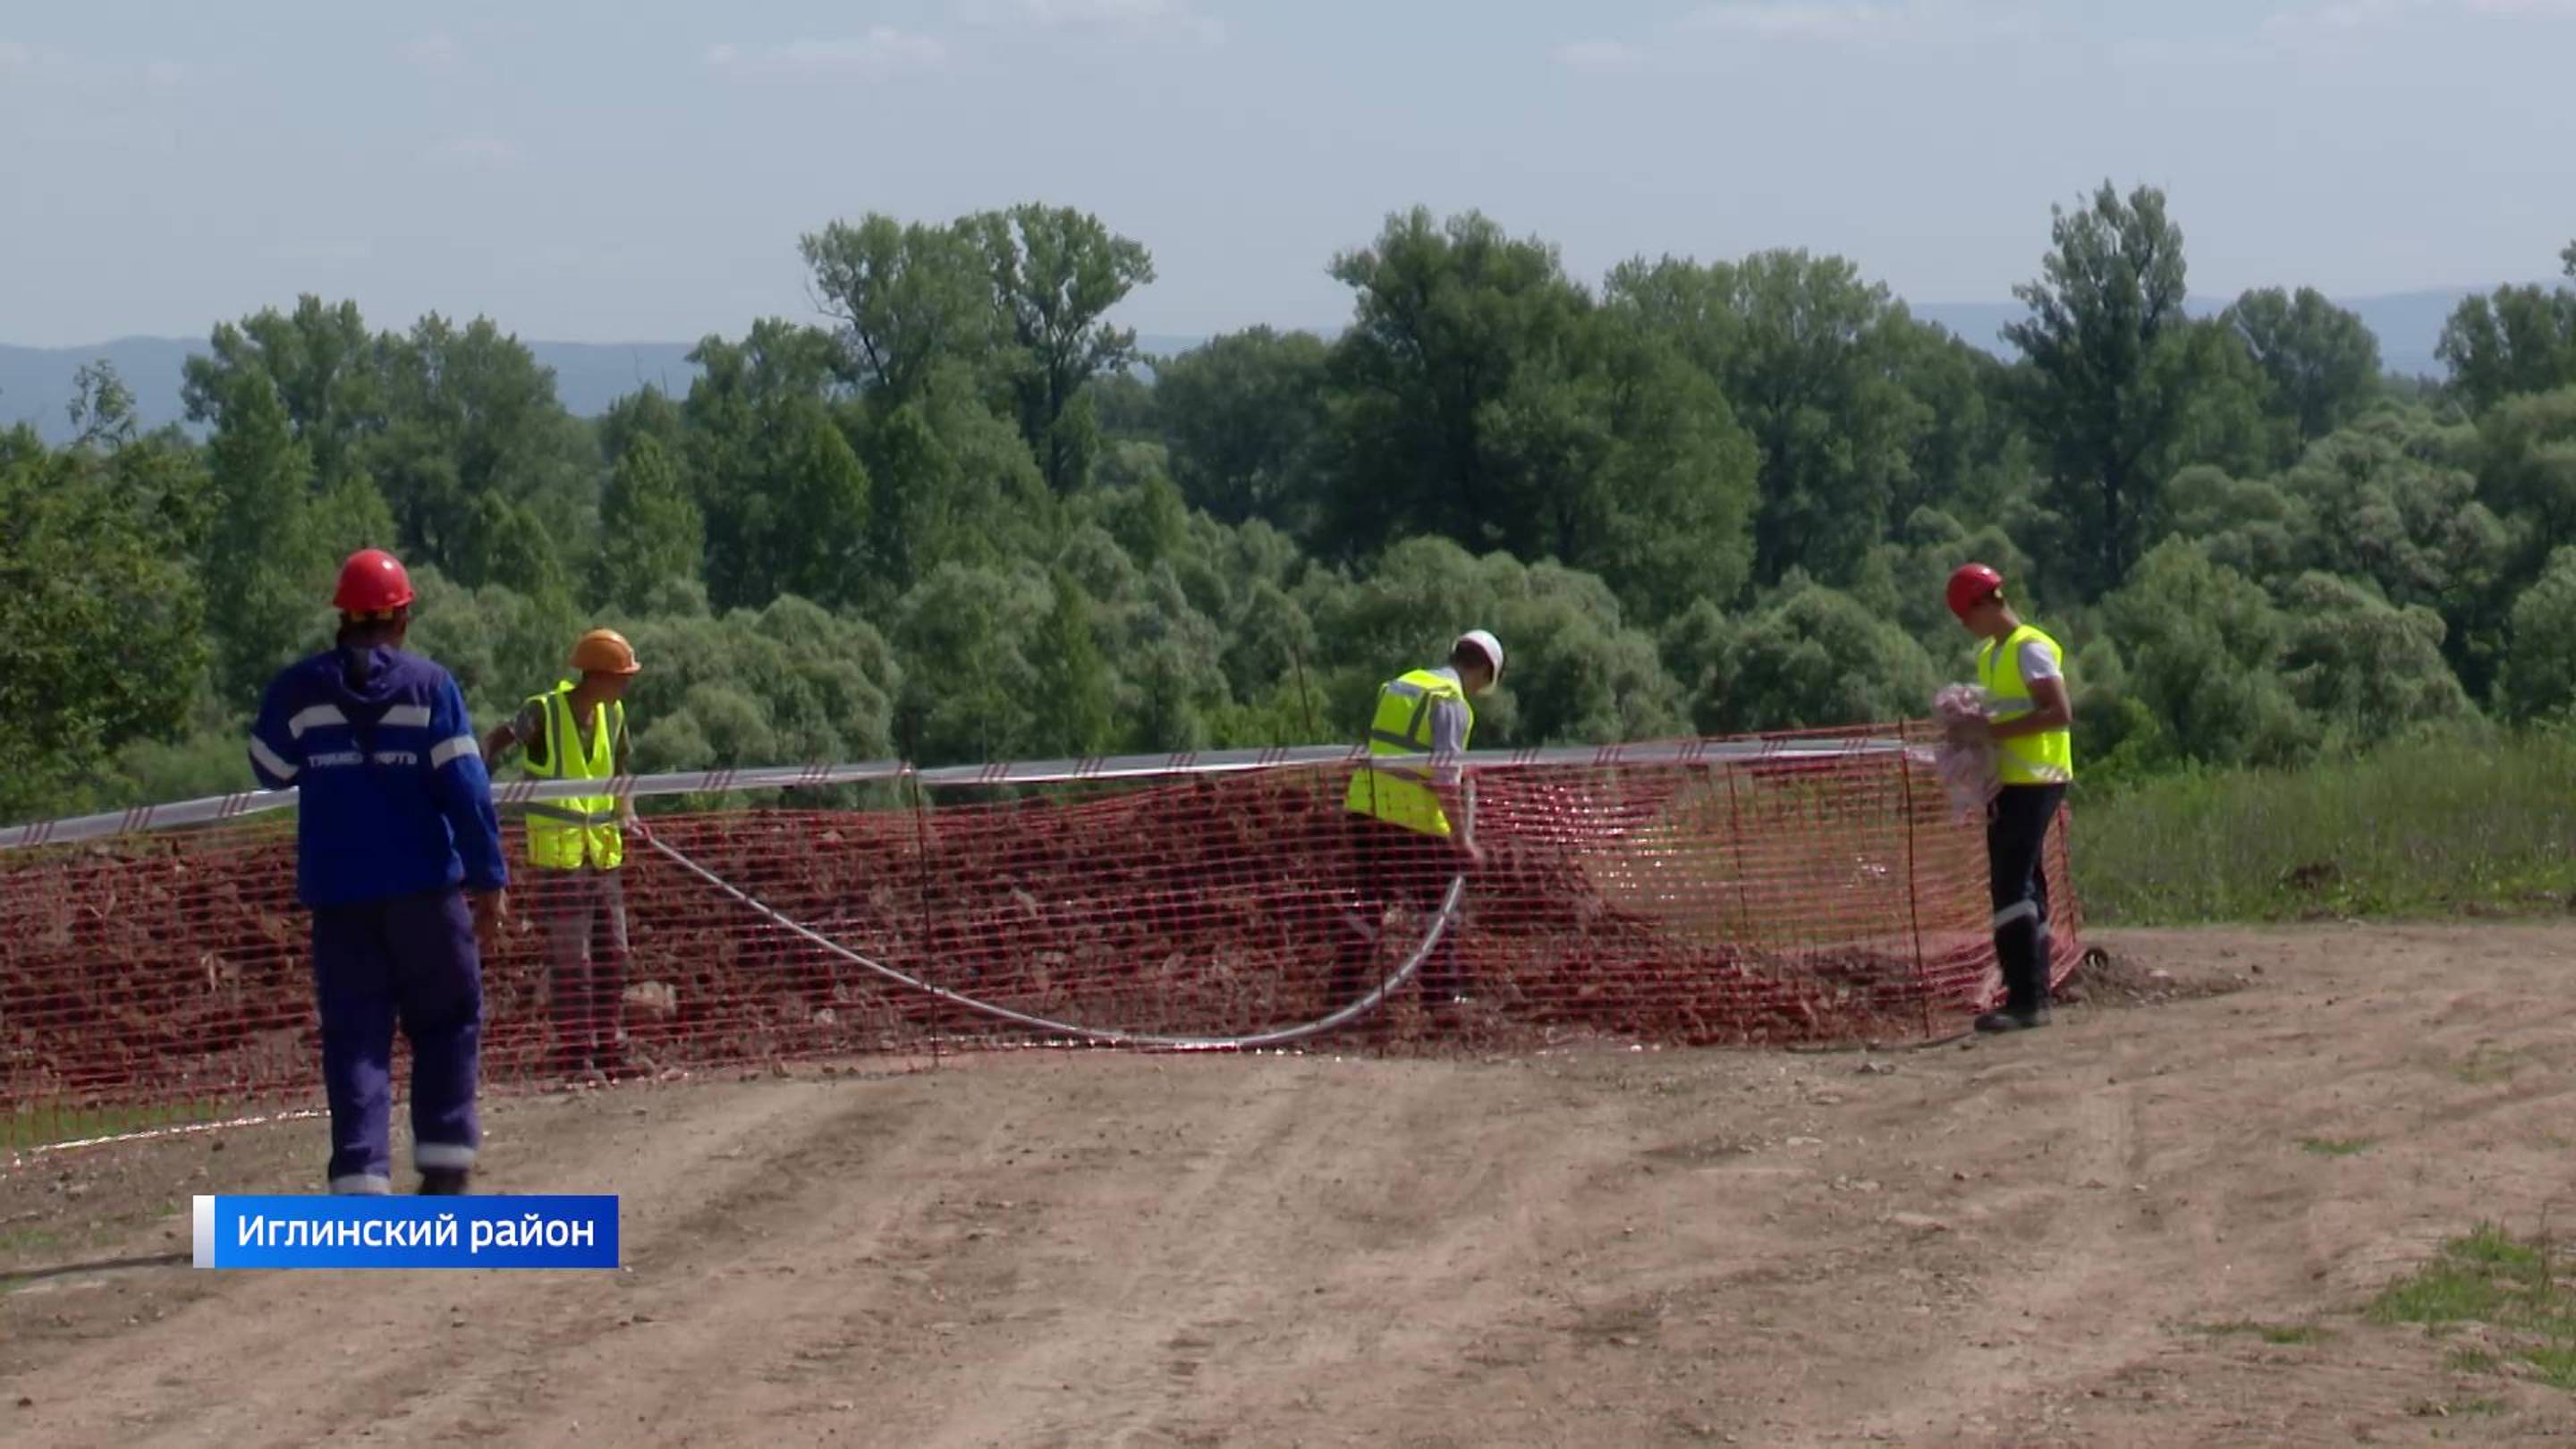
144 819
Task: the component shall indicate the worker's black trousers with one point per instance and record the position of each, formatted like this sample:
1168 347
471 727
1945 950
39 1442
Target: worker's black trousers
2016 837
1390 865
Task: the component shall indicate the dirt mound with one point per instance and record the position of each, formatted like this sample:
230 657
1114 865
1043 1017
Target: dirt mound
1614 905
2155 978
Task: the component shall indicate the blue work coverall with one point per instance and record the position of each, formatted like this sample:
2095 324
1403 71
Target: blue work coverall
394 823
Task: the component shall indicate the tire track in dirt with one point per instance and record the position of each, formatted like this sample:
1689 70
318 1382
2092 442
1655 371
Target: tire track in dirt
1394 1250
379 1348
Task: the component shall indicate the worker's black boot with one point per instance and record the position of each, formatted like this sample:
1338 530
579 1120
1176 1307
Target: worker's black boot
443 1181
2025 998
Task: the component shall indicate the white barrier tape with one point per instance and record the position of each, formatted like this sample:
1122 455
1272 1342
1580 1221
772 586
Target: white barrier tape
1441 921
1749 751
504 795
1585 757
25 1155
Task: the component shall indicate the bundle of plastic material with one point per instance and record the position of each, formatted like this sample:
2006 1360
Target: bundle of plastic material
1967 760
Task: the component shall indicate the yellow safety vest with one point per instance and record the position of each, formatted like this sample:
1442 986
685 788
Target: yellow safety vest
582 830
1390 787
2046 758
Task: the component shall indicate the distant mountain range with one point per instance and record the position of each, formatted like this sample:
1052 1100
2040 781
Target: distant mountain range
36 382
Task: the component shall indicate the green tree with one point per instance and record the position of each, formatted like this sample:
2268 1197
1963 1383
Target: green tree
260 544
2513 341
2540 672
1812 658
1447 317
1076 693
1243 416
1055 274
909 298
2368 671
1906 578
650 528
471 414
788 683
2255 526
645 413
101 634
102 407
2117 381
2203 645
1812 359
2323 361
1578 670
1481 396
784 498
1668 516
2527 469
327 370
972 694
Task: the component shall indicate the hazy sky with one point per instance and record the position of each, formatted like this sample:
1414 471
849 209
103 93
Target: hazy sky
618 170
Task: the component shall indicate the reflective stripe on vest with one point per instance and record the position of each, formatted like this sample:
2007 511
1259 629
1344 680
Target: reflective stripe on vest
571 833
2046 758
1391 786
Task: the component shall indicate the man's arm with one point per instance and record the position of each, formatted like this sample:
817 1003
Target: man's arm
1448 780
464 792
507 736
2053 711
623 763
276 757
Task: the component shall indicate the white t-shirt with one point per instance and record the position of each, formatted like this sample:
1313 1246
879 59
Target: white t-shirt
2038 661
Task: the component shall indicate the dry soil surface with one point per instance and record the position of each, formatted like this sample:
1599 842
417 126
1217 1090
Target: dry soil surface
2058 1238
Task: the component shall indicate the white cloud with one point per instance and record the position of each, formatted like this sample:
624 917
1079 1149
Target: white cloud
1601 57
434 55
1127 17
91 77
882 52
1797 20
2350 15
17 57
2336 15
1741 23
474 153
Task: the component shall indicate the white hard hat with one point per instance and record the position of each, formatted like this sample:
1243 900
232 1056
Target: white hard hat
1485 644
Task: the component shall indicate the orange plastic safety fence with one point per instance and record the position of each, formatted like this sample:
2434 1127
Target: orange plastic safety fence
1753 895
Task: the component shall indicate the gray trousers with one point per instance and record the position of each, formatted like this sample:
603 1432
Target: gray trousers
583 913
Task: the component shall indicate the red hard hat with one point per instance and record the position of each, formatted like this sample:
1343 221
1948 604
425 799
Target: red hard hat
1970 585
371 582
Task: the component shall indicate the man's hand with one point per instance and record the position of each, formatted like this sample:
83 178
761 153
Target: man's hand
491 913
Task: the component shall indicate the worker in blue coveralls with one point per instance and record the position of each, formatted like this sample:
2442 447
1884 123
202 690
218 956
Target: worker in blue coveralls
394 826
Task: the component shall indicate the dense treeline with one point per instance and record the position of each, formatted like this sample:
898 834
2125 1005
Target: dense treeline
958 517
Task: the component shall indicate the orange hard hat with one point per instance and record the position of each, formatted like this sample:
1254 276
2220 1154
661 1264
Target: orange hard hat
604 651
371 582
1971 586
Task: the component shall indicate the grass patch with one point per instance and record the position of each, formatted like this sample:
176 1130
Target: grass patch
2487 1065
39 1125
24 1240
2463 823
2491 1278
2471 1361
2281 1334
2337 1146
2456 1408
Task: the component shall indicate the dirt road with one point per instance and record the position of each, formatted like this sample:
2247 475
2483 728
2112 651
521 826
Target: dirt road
2069 1238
